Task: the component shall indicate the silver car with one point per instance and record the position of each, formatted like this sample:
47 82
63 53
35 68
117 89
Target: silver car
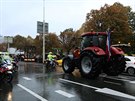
130 65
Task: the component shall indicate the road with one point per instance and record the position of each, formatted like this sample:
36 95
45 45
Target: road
33 83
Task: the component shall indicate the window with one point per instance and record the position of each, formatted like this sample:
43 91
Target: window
94 40
86 42
127 59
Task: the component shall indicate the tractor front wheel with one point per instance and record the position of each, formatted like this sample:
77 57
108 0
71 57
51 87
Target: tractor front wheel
67 65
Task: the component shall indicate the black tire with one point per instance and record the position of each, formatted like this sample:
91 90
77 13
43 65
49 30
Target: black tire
1 77
131 71
8 78
90 65
115 66
50 67
67 65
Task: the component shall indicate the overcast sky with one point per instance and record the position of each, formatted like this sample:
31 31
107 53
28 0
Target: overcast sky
21 16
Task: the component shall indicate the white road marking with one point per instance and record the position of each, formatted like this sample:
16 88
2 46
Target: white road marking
64 93
32 93
115 93
79 84
123 77
112 83
26 78
103 90
132 82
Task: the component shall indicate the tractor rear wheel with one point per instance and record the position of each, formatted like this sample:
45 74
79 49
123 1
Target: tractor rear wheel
67 65
115 66
90 65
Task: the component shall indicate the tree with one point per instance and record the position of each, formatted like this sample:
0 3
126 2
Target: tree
30 41
131 20
38 44
19 42
114 17
68 39
3 47
52 41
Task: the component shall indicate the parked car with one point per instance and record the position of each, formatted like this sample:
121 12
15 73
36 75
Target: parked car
130 65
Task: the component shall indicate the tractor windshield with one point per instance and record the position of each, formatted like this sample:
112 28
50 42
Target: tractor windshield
94 40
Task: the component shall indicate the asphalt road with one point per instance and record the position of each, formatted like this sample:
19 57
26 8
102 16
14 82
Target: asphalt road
33 83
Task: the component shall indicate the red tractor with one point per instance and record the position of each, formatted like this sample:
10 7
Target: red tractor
95 57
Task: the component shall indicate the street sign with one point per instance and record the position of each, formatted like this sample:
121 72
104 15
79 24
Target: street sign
8 39
1 39
40 27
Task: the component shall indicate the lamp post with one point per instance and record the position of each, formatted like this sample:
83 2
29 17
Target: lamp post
8 40
43 31
7 43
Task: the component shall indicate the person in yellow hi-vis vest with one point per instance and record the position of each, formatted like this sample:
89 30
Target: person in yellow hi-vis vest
7 57
51 58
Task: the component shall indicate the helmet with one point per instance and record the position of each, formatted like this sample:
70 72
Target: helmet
50 53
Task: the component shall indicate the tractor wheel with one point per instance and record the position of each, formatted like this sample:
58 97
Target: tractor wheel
67 65
90 65
116 65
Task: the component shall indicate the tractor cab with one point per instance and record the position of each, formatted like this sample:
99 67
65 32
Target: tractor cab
97 39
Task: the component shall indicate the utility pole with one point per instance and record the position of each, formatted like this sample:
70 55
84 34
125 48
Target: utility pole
43 31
